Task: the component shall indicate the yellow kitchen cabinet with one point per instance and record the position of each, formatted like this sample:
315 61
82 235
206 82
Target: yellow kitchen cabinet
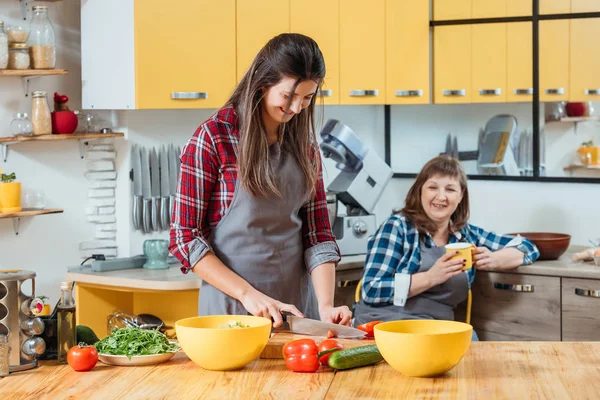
452 64
180 63
407 52
585 60
451 9
580 6
488 60
519 81
258 21
518 8
362 52
555 6
554 60
323 27
488 8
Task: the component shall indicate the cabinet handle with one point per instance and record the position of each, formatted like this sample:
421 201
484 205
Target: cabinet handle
490 92
587 293
594 92
364 93
524 91
514 288
409 93
347 283
454 92
325 93
189 95
555 91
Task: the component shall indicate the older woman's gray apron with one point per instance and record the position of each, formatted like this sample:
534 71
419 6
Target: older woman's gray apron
436 303
260 239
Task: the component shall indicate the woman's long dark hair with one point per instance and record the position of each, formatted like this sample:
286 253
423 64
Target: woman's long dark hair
292 55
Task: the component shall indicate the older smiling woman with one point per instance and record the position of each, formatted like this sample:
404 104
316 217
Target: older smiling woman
408 274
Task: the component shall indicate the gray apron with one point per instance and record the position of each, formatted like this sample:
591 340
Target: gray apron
260 239
436 303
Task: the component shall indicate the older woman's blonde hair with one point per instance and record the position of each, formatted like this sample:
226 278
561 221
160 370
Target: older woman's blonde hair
443 166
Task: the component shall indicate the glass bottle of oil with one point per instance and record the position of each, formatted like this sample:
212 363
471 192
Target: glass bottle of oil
66 323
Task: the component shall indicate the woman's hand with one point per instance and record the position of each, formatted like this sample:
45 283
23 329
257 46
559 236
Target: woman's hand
336 315
261 305
444 269
504 259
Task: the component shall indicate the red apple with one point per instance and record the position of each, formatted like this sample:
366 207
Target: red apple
576 109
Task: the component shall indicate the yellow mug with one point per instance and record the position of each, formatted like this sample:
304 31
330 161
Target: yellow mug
464 251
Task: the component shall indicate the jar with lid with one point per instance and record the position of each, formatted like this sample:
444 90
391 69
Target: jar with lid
3 47
4 355
42 41
18 56
81 122
41 119
21 125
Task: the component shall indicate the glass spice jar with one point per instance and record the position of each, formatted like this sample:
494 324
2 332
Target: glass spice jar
42 40
4 370
20 125
18 56
41 119
3 47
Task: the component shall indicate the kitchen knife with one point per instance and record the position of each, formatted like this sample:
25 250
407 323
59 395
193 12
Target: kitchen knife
146 193
136 164
165 218
313 327
155 189
173 175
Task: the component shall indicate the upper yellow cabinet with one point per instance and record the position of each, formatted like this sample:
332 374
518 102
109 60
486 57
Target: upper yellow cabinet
362 52
519 46
488 63
488 8
580 6
407 52
554 60
518 8
258 21
585 60
159 57
452 64
181 77
323 27
554 6
451 9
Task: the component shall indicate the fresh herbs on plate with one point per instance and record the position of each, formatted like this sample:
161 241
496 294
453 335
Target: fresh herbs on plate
135 342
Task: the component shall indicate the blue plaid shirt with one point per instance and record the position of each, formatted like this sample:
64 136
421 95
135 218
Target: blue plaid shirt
395 248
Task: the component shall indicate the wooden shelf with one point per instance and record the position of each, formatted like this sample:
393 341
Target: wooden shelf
32 72
72 136
576 167
576 119
31 213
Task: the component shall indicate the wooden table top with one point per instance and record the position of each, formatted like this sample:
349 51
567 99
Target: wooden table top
490 370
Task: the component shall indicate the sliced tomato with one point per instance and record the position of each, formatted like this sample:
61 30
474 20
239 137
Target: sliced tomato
368 327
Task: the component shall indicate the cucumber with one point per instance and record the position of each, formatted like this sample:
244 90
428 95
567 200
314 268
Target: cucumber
355 357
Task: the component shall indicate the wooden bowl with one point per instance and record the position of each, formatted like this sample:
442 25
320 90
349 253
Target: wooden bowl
550 245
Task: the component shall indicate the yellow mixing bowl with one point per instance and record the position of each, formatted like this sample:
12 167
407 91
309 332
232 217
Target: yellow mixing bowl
423 347
223 349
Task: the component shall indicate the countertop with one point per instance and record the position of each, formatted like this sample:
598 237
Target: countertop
489 370
173 279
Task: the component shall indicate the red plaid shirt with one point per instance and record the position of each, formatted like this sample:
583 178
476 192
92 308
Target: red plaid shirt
205 190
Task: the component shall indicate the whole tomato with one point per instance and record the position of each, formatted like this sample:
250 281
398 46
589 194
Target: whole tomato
326 346
82 357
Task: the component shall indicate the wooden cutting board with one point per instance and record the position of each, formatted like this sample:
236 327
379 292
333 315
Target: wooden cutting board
275 345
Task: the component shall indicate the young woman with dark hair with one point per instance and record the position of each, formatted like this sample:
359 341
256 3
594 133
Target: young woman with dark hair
250 214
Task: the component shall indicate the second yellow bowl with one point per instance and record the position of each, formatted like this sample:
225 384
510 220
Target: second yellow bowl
215 348
423 348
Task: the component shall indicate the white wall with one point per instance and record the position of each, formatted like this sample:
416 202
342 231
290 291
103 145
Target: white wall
49 244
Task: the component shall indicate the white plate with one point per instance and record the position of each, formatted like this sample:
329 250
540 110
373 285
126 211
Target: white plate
135 360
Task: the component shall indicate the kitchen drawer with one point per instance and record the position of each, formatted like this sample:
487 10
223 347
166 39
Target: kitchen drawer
580 309
516 307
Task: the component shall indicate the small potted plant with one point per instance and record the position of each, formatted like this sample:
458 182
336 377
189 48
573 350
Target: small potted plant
10 193
588 153
64 121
